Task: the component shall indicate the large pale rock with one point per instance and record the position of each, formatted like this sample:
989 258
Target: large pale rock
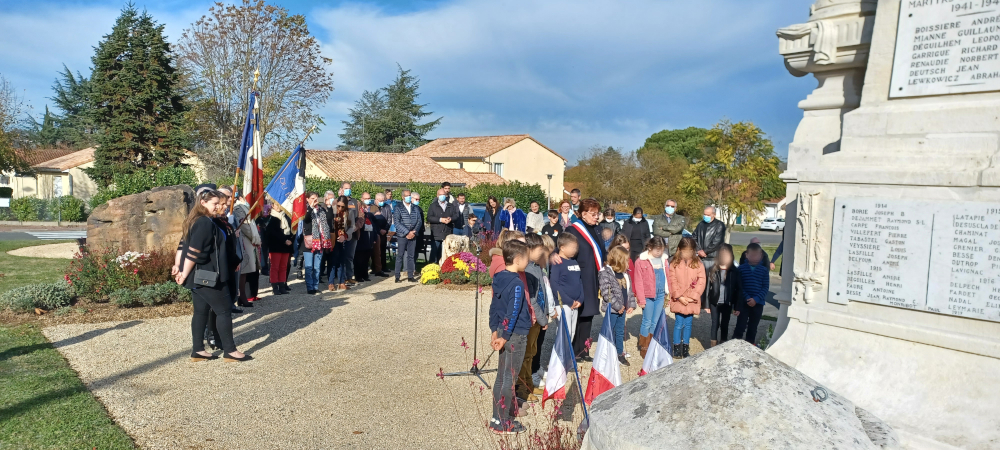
151 220
733 396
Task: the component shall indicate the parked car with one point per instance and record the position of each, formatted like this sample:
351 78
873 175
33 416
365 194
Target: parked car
772 225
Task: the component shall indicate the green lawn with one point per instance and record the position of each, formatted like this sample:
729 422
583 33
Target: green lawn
43 404
739 249
19 271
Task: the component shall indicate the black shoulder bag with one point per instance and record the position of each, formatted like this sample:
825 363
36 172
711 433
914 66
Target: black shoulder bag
209 278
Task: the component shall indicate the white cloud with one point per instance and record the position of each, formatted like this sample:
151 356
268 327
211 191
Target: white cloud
580 72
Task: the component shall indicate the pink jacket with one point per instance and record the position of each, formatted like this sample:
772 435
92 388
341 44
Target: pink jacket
496 261
686 282
645 277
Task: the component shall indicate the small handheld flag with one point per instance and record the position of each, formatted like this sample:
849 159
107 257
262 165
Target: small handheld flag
605 373
658 354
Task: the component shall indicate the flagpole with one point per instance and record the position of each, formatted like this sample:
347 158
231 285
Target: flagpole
236 178
576 370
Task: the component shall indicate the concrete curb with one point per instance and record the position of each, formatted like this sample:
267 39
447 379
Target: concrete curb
41 224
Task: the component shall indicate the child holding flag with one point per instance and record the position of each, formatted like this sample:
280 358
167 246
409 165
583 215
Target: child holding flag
510 319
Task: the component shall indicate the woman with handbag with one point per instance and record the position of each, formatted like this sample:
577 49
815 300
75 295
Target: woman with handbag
205 270
341 224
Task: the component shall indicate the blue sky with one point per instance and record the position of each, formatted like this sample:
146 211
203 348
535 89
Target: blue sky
572 73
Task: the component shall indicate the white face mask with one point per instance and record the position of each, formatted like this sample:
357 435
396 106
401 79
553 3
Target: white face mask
636 220
609 220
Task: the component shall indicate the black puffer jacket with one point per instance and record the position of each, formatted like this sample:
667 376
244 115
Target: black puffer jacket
710 236
732 283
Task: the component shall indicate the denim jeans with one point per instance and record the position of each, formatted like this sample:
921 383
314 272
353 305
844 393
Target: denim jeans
348 259
618 329
338 268
682 324
651 315
405 250
511 356
312 265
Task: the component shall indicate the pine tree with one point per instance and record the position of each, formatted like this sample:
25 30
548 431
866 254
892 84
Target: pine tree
72 97
135 105
387 120
48 133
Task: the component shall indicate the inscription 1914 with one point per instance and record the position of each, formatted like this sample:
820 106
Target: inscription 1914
936 257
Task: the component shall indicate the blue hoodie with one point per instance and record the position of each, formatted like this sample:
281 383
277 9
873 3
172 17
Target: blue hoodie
509 312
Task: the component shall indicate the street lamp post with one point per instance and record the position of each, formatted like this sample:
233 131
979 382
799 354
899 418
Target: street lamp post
549 207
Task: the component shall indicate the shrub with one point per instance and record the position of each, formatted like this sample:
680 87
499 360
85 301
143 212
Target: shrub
149 295
136 182
97 275
72 209
45 296
28 209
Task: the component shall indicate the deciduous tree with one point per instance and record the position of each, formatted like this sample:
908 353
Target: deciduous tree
134 100
12 121
218 56
685 144
738 163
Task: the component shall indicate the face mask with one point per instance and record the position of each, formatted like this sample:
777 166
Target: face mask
668 209
707 219
442 198
368 202
609 220
636 220
381 203
415 202
347 192
406 199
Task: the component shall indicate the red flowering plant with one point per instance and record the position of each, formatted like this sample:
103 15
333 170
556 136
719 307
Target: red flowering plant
464 268
94 275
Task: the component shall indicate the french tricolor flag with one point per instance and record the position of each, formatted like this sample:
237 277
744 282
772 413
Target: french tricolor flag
605 373
658 353
561 361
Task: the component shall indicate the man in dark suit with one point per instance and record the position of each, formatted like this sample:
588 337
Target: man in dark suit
441 214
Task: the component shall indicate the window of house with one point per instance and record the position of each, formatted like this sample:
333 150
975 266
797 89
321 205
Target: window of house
498 169
4 180
461 165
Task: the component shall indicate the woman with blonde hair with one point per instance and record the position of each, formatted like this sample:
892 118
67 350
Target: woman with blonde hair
686 279
511 218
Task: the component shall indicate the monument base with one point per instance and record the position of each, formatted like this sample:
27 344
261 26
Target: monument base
934 397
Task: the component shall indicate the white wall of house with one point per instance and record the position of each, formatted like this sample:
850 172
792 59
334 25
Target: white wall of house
529 162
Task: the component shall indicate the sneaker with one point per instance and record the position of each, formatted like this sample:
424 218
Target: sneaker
622 360
513 427
627 354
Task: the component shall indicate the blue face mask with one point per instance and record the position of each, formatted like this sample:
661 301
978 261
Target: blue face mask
406 199
368 202
416 202
707 219
347 192
442 198
381 203
668 209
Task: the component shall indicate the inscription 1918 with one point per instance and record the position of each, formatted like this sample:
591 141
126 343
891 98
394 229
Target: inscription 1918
936 257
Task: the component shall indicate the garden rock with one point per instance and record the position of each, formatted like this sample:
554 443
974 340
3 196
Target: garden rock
732 396
143 222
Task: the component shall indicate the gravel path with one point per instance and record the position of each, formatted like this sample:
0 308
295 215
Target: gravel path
341 370
65 250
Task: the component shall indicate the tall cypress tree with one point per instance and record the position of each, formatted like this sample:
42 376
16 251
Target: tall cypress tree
135 105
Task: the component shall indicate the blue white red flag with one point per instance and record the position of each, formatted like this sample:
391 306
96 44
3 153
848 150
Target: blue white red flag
605 373
288 187
250 162
658 353
560 363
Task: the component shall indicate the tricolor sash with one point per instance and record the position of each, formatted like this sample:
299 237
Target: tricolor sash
590 240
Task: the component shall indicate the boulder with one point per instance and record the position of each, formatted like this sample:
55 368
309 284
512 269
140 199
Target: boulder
733 396
143 222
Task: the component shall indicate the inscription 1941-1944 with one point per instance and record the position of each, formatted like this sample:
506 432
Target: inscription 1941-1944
946 47
936 257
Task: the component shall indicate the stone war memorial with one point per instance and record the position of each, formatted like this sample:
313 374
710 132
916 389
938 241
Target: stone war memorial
891 296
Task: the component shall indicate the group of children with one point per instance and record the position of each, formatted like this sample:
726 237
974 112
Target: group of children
526 289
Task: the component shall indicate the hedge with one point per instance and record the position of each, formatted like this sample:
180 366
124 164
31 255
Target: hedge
30 209
134 183
522 193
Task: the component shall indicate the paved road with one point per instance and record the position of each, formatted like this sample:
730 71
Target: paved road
44 235
769 238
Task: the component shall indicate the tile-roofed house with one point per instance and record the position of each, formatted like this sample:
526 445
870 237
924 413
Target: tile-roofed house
66 162
471 178
376 167
41 155
515 157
